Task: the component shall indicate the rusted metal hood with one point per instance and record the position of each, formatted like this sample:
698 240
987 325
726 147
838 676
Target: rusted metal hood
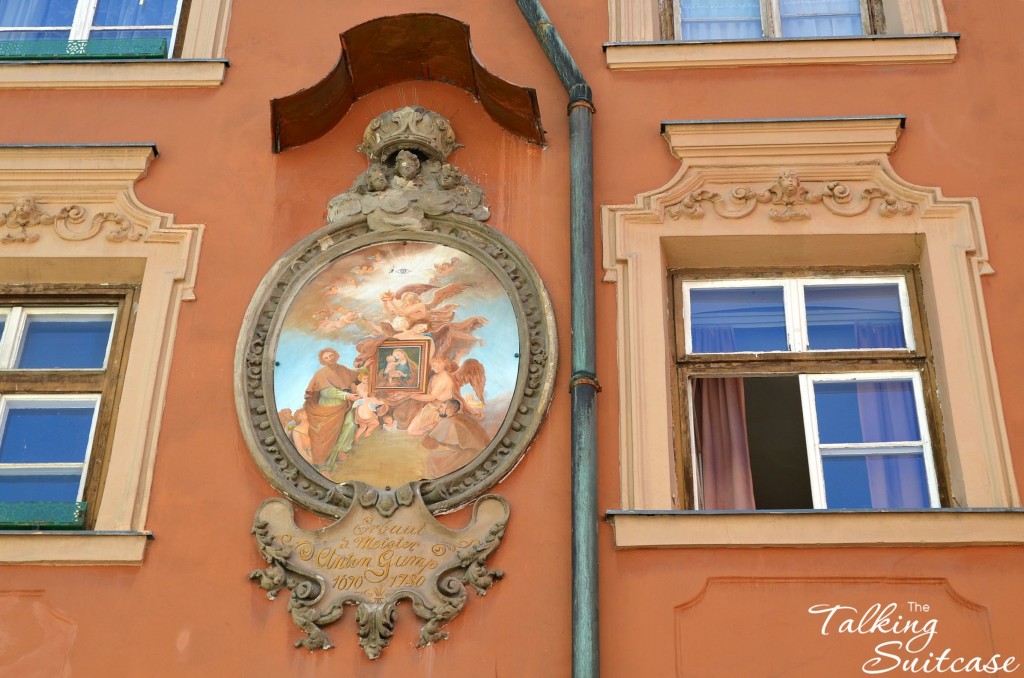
395 49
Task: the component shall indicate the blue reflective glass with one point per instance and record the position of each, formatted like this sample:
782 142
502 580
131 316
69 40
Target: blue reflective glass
875 481
46 435
40 487
118 34
866 411
720 19
854 316
729 320
66 342
25 36
135 13
3 323
37 13
820 18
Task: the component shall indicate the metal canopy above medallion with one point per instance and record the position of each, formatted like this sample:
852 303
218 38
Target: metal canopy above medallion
400 359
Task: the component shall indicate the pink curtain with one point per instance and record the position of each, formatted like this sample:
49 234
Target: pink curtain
721 437
887 414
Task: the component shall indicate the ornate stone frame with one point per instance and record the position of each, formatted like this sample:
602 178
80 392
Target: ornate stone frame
254 360
726 208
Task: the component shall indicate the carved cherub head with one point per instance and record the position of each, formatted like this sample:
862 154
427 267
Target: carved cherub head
787 188
376 179
25 205
24 210
407 164
449 177
789 182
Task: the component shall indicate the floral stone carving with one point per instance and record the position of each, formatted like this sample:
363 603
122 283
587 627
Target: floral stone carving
386 548
789 196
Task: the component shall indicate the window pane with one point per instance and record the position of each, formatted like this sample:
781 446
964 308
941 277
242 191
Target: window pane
720 19
65 341
866 411
876 481
37 435
135 13
34 35
854 316
37 13
737 319
820 18
40 487
118 34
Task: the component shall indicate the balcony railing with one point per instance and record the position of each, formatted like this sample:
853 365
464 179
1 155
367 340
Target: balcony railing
99 48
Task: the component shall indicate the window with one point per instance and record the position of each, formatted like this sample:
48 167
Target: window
704 227
752 19
127 265
83 44
88 28
805 392
60 363
656 34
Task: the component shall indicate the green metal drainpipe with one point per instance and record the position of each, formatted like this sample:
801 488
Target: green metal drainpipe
583 385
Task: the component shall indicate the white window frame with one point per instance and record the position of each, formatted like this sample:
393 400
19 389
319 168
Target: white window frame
37 401
795 307
815 449
82 29
798 341
12 339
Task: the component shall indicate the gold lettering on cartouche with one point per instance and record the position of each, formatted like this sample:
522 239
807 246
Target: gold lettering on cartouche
383 552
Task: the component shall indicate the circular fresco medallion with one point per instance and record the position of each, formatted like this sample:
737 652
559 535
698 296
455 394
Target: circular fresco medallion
392 358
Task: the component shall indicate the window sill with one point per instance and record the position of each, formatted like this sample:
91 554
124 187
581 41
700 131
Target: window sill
698 529
939 48
73 548
112 73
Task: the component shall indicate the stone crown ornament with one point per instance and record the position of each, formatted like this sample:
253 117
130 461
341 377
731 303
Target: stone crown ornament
412 127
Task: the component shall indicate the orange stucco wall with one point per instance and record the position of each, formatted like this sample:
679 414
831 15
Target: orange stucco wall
189 609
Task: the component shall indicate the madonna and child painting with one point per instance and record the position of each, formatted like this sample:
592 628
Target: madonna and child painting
396 362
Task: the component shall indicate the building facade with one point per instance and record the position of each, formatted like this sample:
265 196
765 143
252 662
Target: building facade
779 434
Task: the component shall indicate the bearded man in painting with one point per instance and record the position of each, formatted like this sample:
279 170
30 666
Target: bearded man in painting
326 405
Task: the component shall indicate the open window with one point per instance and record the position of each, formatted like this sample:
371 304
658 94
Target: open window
805 393
787 256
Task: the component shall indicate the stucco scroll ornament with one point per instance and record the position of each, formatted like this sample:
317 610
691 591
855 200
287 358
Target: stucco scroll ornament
26 214
789 197
386 548
67 223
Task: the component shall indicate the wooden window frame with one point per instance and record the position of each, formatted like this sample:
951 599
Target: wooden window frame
914 360
105 383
